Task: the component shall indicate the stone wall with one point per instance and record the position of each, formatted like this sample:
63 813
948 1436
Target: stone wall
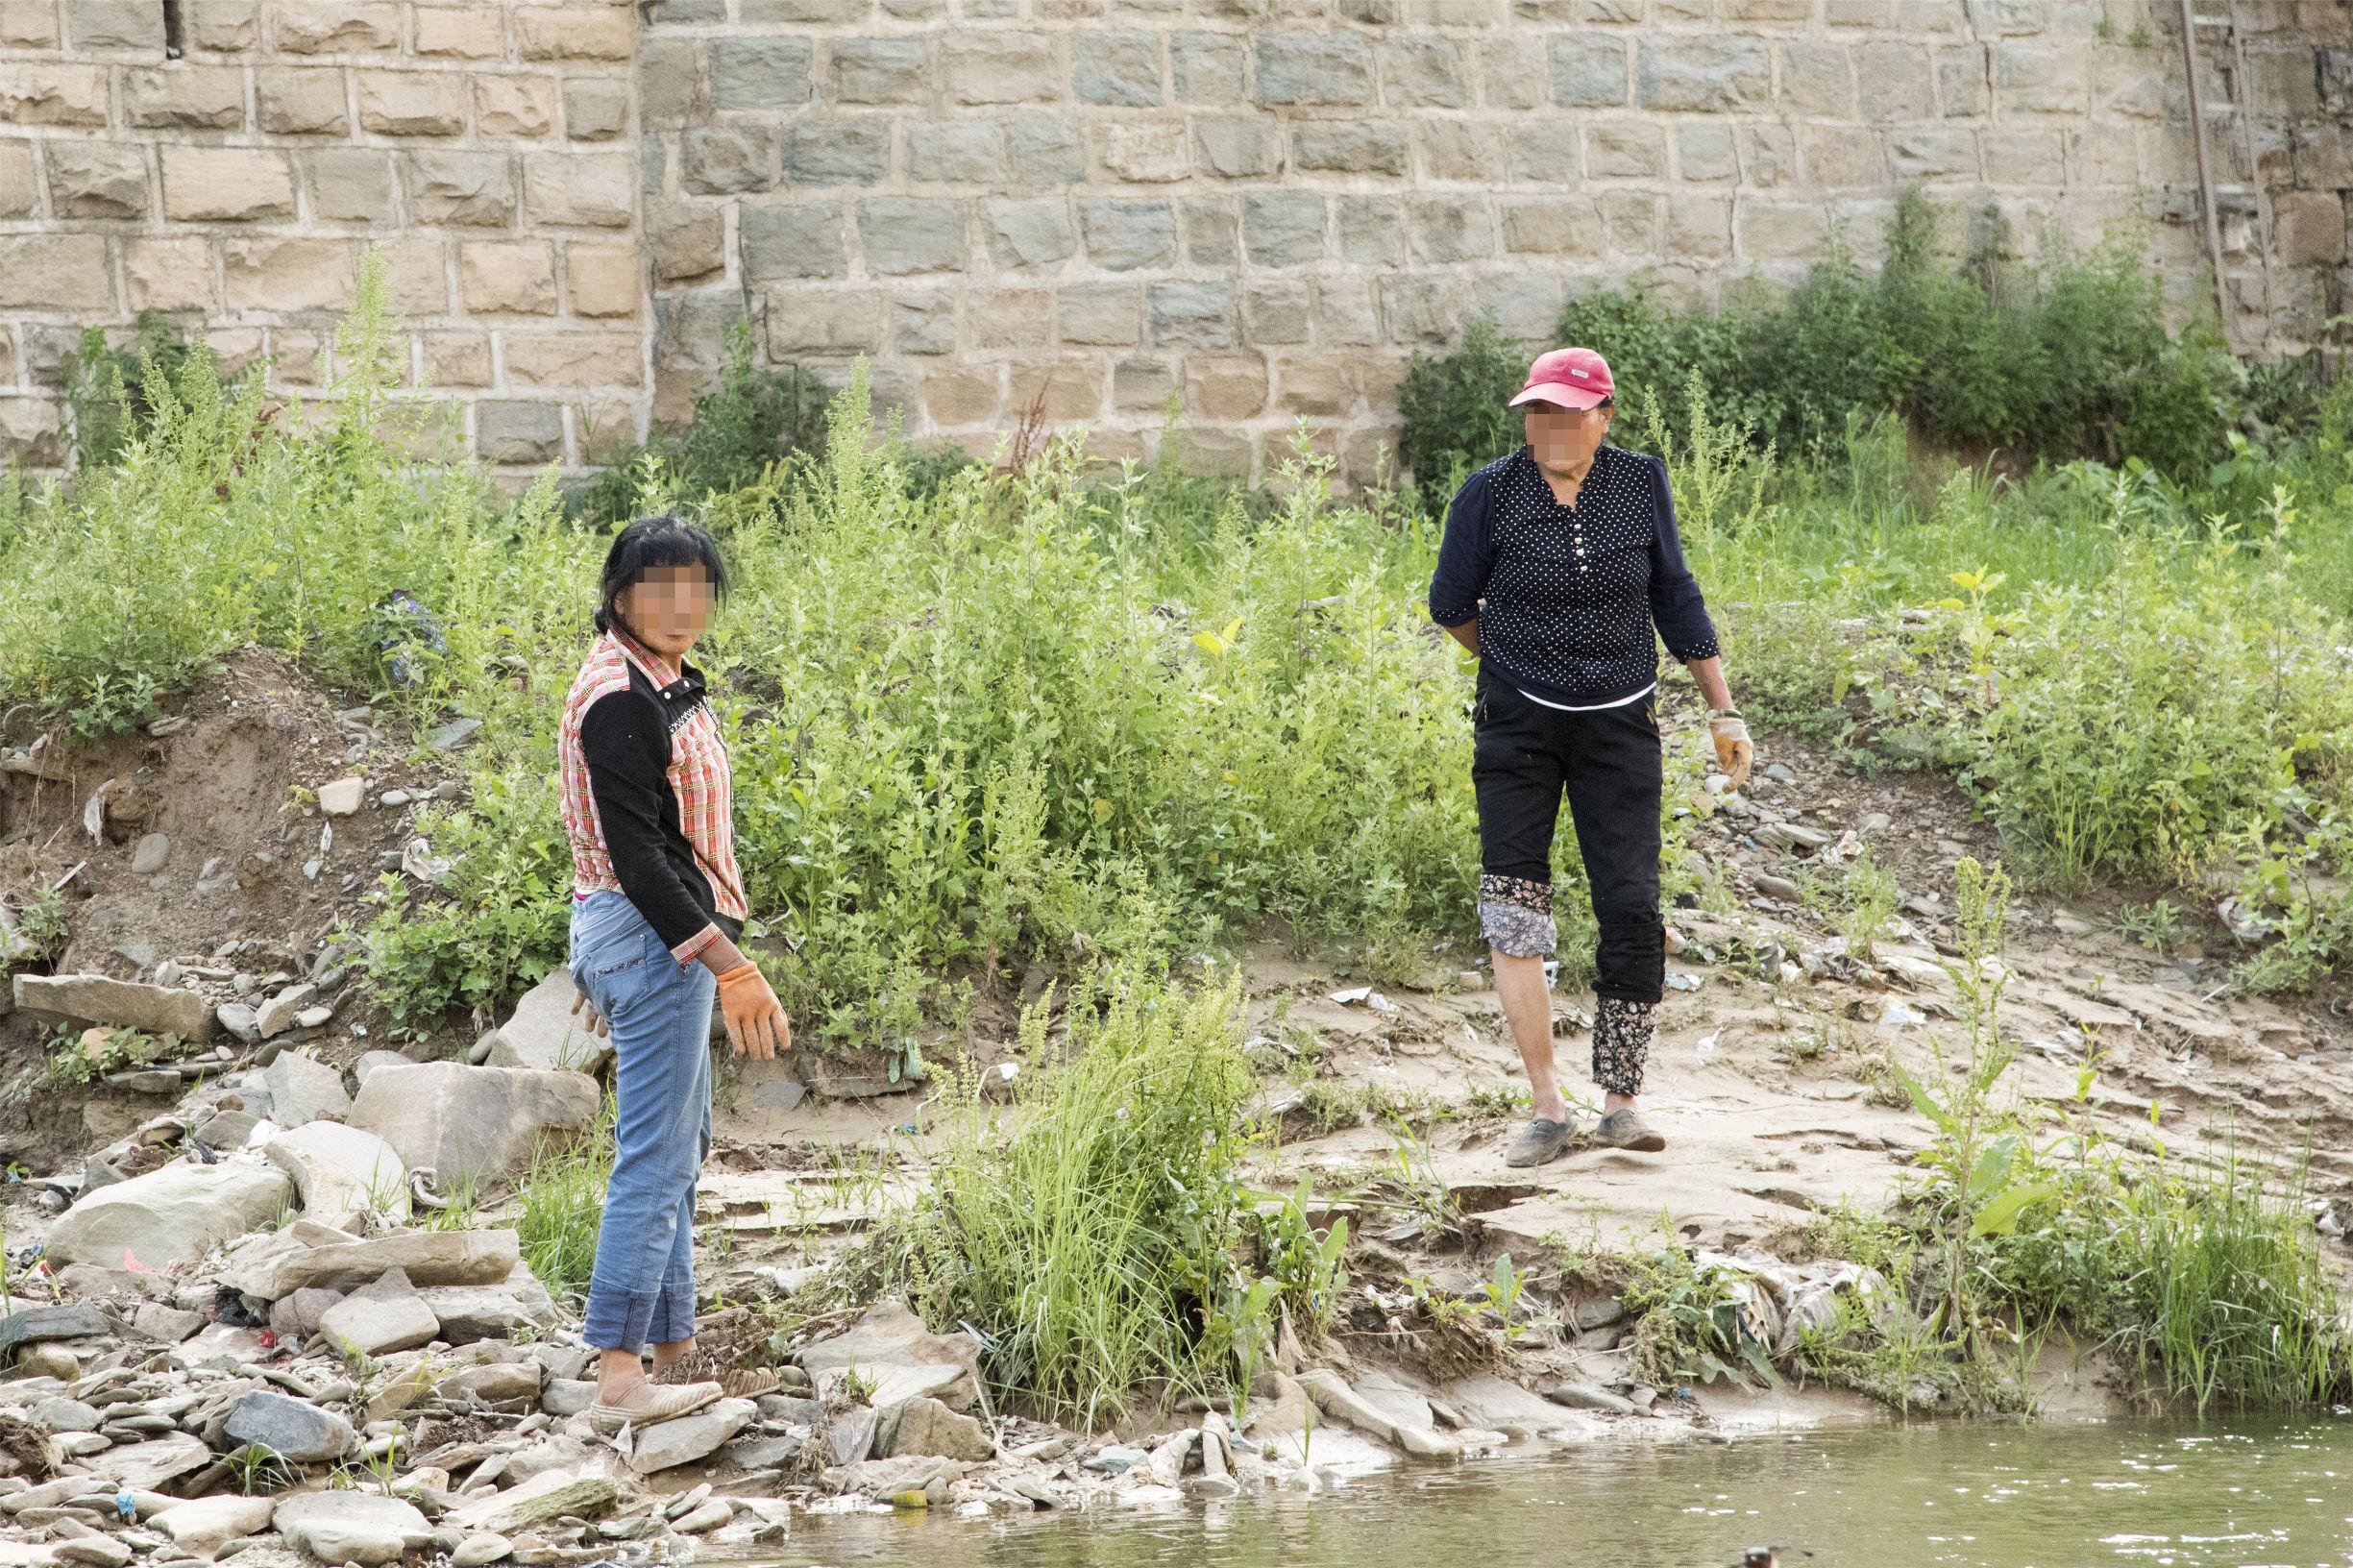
488 146
1260 208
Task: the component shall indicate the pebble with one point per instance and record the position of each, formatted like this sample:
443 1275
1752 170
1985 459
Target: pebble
1775 887
449 789
1780 774
1877 822
312 1017
150 854
343 796
99 1551
393 797
456 733
475 1551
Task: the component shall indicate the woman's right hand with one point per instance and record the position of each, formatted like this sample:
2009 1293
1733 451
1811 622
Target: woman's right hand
756 1024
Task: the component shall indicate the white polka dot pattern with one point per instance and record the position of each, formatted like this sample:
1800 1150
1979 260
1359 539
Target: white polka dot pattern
1575 597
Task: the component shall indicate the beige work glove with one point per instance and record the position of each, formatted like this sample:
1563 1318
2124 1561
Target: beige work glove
1735 752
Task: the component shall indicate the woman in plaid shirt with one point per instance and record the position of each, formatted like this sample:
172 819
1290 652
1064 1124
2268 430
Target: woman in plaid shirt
658 908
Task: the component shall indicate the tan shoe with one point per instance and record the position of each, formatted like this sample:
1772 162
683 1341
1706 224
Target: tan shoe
647 1402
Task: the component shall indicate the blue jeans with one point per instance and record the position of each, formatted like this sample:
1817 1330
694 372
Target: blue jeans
641 1291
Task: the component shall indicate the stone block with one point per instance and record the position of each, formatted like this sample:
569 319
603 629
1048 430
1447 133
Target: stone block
1839 157
670 86
287 274
1449 228
576 32
827 323
1205 67
604 280
985 67
1424 310
924 324
1350 147
1212 228
474 190
588 190
507 277
1625 150
31 432
2041 79
169 275
573 359
1630 222
1704 152
1560 226
1895 82
845 152
1506 81
1124 236
1372 231
1234 148
1191 314
46 92
33 26
1782 231
963 395
1589 71
115 24
1107 316
902 235
97 179
55 272
1032 233
1008 318
516 108
518 432
2023 157
1225 387
728 160
687 242
302 100
471 32
760 72
1963 86
348 184
800 241
596 108
19 187
1817 79
417 273
1457 151
1117 68
1767 155
1313 70
226 184
1544 152
1932 153
1046 152
1283 228
1707 74
411 103
957 152
1429 72
2309 228
1323 388
339 27
763 12
185 98
880 71
1141 386
1067 392
1277 311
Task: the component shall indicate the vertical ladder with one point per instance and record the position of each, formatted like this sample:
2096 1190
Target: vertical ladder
2215 29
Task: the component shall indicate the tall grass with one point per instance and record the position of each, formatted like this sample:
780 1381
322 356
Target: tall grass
561 1200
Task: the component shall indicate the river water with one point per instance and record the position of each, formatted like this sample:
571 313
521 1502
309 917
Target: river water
1971 1495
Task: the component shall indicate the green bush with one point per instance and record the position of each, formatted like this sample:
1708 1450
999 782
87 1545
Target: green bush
1454 410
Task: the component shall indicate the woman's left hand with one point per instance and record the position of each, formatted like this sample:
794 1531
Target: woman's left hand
1735 752
591 1021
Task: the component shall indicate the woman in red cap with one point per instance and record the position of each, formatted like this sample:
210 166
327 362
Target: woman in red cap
1561 570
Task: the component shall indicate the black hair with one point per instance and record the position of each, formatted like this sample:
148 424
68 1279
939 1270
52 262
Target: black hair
646 544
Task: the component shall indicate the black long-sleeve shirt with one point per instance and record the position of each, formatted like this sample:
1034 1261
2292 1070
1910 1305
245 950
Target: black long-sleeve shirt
1571 602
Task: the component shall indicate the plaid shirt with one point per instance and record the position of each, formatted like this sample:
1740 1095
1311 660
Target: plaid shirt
697 774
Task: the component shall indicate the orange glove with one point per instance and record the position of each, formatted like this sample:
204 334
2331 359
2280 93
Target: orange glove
756 1024
1735 752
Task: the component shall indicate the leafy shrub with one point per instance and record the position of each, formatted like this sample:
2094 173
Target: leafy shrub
106 387
1454 410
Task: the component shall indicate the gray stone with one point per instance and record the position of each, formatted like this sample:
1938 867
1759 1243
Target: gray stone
121 1004
669 1444
338 1169
544 1032
471 1123
207 1524
1313 68
1283 228
478 1551
1584 1396
166 1325
958 153
1236 148
472 189
760 72
173 1214
890 1348
1212 233
728 160
116 24
295 1316
990 68
456 733
344 1526
849 1437
1426 73
301 1089
548 1496
143 1467
59 1413
711 1515
1589 71
566 1396
342 797
495 1384
837 151
1343 1404
1351 147
96 1550
1193 316
229 1131
428 1258
91 180
148 857
469 1312
800 241
1107 314
910 234
1030 233
1703 73
507 431
1122 236
926 1425
878 71
1047 152
1115 69
240 1021
1207 67
370 1061
295 1430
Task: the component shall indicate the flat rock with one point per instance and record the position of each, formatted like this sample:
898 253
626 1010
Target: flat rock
538 1500
473 1123
849 1437
73 1320
669 1444
59 1413
338 1169
123 1004
301 1089
1584 1396
207 1524
166 1325
294 1428
1506 1407
352 1527
495 1382
477 1551
96 1551
148 855
1343 1404
370 1061
544 1033
428 1258
173 1214
343 796
239 1019
144 1467
890 1347
383 1316
469 1312
926 1425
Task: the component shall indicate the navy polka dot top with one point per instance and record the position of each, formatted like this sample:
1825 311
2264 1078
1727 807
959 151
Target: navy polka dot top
1567 598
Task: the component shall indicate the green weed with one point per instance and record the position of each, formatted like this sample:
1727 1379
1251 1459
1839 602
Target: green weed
562 1203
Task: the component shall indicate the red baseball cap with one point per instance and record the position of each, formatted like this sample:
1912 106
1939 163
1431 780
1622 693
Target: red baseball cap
1572 378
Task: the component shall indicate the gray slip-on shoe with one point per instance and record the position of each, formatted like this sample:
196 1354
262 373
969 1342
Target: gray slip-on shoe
1625 1129
1540 1140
